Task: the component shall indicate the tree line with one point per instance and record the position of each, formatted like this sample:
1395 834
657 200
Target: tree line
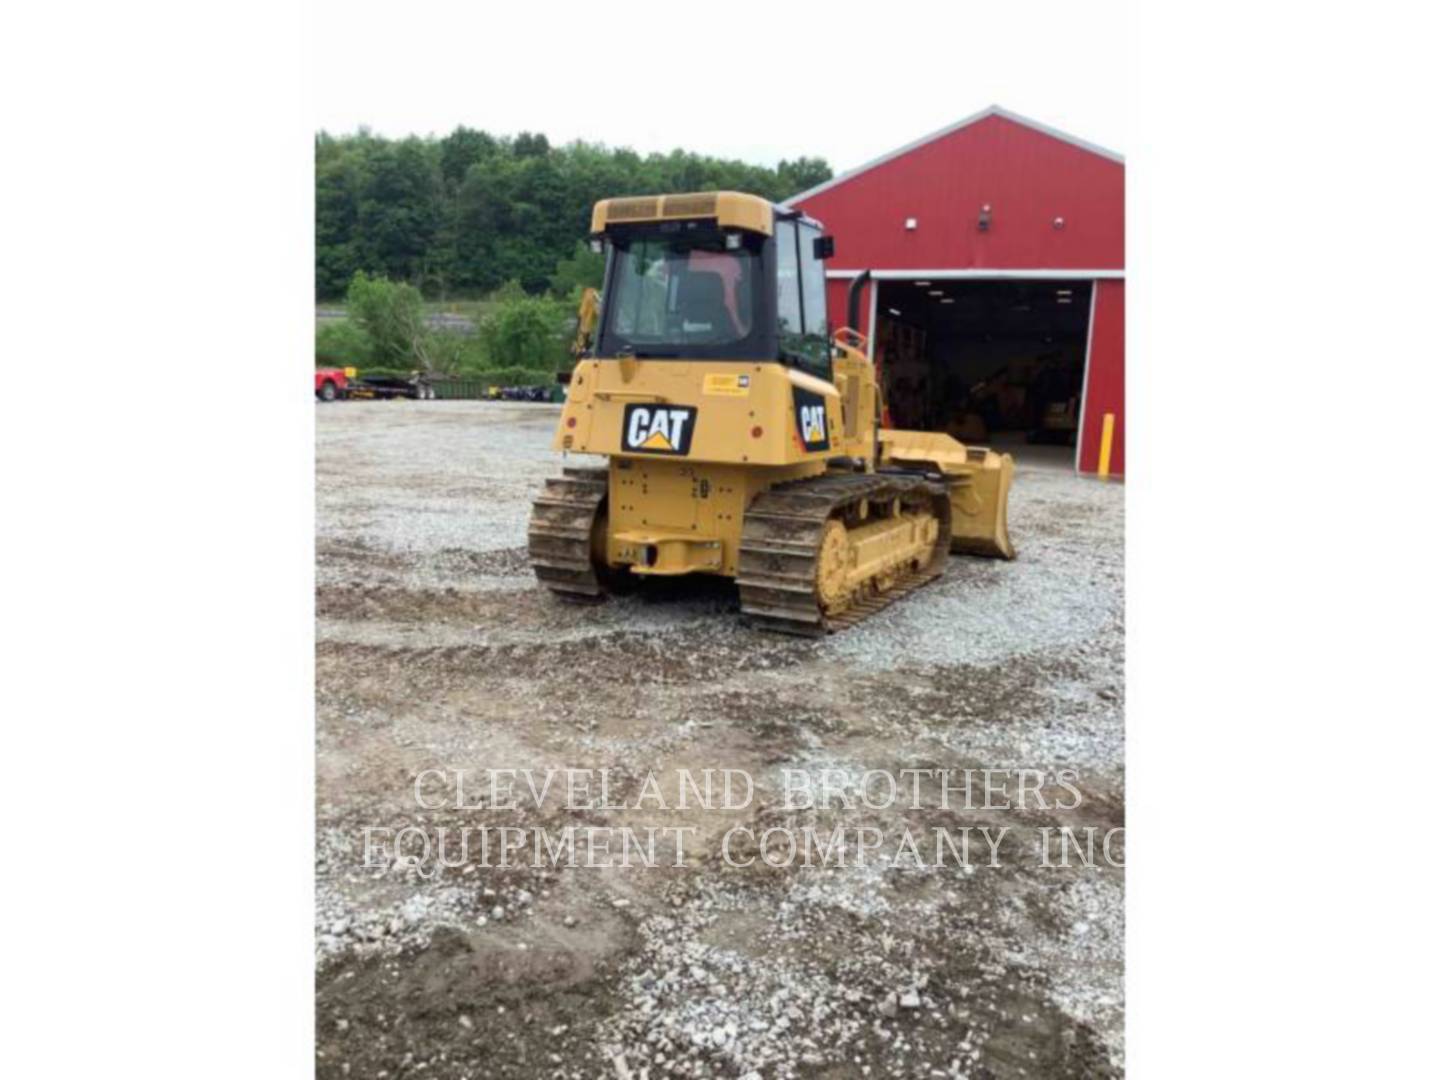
464 214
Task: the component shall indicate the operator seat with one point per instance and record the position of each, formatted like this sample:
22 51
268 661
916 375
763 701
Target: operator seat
701 297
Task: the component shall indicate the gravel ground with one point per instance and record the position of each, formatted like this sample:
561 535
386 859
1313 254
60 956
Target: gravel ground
436 650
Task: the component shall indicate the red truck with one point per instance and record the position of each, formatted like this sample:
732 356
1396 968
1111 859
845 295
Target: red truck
332 382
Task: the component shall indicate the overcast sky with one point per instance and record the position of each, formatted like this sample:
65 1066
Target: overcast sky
758 82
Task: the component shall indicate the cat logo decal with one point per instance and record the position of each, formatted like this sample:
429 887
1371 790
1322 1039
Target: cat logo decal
811 421
658 429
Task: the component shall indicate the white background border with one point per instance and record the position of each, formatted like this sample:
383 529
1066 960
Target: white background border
1279 486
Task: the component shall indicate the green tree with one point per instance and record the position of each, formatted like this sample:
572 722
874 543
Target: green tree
462 148
464 213
524 331
392 315
581 270
341 176
801 175
530 145
400 211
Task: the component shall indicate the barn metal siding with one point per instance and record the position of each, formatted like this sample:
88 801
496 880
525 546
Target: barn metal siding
1105 383
1028 178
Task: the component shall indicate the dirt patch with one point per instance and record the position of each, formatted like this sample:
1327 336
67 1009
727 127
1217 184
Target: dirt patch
437 651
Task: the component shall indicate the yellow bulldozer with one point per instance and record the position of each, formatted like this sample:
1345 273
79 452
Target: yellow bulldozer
743 433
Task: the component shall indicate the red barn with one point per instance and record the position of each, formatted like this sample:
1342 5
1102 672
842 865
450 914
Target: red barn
995 305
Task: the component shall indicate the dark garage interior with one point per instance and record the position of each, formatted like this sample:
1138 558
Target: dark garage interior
993 362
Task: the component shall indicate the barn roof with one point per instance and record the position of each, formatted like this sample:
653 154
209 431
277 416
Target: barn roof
993 110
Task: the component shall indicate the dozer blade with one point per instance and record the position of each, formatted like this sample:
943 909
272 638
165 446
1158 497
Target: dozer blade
979 523
979 482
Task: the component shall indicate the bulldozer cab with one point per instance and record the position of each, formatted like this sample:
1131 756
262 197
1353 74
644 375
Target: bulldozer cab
744 282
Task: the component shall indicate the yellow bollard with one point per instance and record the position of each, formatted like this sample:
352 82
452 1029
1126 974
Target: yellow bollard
1107 436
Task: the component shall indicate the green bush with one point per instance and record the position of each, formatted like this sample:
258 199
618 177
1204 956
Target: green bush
511 290
452 354
524 332
393 315
386 333
514 376
342 343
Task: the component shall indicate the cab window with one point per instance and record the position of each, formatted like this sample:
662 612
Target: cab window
670 292
812 297
787 284
804 335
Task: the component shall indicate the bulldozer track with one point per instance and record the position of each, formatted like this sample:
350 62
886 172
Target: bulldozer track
562 522
780 547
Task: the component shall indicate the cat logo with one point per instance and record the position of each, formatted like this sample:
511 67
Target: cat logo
658 429
810 417
812 423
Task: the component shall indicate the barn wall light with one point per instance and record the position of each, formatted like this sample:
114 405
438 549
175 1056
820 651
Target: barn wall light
985 218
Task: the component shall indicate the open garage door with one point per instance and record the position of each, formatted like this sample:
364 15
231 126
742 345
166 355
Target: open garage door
998 363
